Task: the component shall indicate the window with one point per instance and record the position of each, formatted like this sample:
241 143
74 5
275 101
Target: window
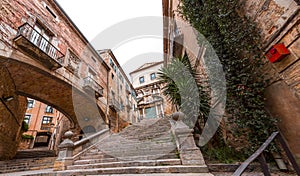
40 37
93 59
112 76
51 12
91 73
121 78
111 63
30 103
46 120
73 62
142 79
152 76
27 118
49 109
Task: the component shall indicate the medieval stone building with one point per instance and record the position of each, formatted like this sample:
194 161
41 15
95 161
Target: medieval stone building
278 24
45 57
46 126
151 101
121 100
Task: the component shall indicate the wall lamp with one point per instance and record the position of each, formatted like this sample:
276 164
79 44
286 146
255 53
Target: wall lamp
7 99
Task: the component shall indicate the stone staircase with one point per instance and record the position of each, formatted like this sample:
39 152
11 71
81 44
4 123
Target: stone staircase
143 148
26 160
34 153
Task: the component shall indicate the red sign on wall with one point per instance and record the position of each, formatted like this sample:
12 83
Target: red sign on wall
277 53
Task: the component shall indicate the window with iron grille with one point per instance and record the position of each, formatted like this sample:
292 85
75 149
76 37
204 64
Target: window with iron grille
47 120
49 109
152 76
30 103
27 118
142 79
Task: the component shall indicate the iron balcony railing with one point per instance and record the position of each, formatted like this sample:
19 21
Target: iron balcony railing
40 41
129 105
89 82
115 104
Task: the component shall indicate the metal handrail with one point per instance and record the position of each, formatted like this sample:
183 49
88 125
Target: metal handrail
259 154
26 30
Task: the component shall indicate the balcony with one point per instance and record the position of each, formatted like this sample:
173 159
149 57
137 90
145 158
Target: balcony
35 45
113 103
92 87
129 105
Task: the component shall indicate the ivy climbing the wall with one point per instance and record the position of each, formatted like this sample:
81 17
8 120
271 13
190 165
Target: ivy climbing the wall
236 41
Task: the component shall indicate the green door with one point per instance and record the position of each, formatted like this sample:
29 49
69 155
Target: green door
150 113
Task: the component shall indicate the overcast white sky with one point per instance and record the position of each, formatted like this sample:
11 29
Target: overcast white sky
93 17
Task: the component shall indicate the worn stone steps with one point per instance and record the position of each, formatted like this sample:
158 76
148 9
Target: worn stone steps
127 164
144 148
148 144
17 165
133 149
136 170
123 154
145 157
22 154
102 157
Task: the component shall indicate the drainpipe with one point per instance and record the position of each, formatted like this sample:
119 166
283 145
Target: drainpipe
107 98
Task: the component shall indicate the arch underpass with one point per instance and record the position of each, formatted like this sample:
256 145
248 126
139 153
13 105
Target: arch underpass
24 79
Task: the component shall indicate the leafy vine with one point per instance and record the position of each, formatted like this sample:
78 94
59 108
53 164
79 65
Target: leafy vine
237 43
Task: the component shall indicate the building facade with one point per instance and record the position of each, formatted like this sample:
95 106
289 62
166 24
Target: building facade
122 100
278 23
151 102
45 57
46 126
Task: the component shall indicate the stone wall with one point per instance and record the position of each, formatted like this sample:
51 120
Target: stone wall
11 116
278 22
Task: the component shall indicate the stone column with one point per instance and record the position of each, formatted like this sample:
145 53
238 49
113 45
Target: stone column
65 153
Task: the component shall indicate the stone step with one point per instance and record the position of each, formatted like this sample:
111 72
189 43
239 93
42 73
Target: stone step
135 138
129 148
138 152
136 142
136 170
95 156
92 161
22 154
100 157
127 164
17 165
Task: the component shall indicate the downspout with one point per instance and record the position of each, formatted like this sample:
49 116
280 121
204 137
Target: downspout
107 98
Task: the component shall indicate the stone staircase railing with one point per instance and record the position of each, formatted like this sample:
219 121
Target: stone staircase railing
189 153
70 151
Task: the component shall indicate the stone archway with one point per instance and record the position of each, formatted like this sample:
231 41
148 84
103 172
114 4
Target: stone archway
22 79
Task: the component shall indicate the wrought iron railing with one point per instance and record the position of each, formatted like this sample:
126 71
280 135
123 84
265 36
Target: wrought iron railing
40 41
115 103
90 82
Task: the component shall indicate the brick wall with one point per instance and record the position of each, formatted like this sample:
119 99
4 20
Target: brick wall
11 116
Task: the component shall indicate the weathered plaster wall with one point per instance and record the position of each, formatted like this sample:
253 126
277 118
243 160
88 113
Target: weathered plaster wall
278 21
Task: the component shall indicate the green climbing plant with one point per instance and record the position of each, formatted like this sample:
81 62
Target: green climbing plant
237 43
